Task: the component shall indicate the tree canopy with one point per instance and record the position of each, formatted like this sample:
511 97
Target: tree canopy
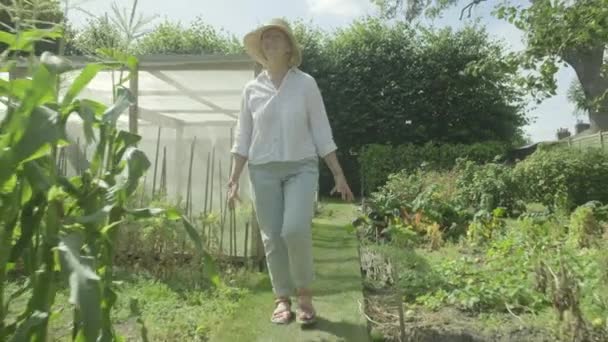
398 84
572 32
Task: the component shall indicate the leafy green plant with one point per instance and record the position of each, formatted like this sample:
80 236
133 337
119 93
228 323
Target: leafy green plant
487 186
419 203
563 178
585 229
117 31
198 38
486 225
379 161
58 226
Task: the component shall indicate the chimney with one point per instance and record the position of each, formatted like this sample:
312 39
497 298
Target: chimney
581 127
563 133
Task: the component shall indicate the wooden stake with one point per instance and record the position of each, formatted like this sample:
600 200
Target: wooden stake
212 173
230 232
163 173
156 162
179 143
236 252
246 240
189 190
205 203
210 208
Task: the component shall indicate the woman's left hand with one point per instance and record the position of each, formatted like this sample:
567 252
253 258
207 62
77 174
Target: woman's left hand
343 188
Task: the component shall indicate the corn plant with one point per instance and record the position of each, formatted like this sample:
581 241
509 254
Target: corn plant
63 229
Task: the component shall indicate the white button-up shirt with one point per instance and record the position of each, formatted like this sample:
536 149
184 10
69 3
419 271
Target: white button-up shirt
285 124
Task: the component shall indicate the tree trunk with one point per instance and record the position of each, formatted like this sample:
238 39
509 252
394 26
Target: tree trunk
599 119
588 67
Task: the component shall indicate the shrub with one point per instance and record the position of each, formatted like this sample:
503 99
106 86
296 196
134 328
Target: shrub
564 178
379 161
585 229
419 202
488 186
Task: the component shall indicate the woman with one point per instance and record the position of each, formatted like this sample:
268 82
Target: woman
282 129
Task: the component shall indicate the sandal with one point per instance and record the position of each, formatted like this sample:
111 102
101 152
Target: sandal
282 313
306 313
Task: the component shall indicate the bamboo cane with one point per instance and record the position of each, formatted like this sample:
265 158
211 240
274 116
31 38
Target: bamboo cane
246 240
163 173
206 193
221 195
156 162
189 190
210 209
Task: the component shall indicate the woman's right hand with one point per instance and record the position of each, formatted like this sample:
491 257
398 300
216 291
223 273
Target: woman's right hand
233 193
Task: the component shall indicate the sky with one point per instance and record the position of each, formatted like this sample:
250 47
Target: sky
240 16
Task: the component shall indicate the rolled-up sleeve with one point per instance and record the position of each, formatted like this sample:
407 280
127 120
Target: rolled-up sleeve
319 122
244 127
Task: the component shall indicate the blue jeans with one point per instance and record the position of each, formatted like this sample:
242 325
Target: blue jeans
283 195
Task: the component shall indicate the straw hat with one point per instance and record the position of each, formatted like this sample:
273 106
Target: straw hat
253 42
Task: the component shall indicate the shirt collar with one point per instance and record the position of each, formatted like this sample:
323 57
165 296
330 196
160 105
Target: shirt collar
266 76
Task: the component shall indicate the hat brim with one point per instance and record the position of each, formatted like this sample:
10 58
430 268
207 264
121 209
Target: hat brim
253 45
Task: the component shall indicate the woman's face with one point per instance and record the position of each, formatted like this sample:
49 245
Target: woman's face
275 44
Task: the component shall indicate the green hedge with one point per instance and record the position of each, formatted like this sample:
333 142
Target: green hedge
564 177
377 161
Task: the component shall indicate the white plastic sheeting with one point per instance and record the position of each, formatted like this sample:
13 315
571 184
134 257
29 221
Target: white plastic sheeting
189 105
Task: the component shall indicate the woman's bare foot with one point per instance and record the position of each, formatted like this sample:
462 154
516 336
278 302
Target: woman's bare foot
282 313
306 311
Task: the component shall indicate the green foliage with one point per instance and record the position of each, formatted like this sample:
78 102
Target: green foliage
64 228
563 178
122 33
414 208
585 230
576 95
485 226
556 32
401 107
31 15
415 73
516 267
488 186
506 273
118 31
379 161
198 38
98 33
471 286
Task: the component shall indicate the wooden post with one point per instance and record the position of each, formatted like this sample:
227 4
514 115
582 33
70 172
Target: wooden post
179 140
156 162
601 140
245 254
133 109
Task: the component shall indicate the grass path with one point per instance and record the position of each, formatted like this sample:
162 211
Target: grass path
337 289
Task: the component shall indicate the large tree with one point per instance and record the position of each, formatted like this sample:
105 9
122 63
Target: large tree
397 84
574 32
